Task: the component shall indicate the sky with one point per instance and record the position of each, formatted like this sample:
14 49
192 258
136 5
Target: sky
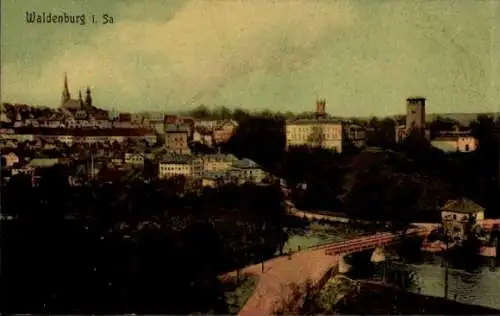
364 57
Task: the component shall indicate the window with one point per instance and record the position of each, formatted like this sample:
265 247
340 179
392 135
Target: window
467 147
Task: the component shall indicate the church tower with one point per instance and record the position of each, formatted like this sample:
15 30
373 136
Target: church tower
88 98
80 99
65 93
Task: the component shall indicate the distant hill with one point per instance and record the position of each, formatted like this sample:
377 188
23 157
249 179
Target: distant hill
463 118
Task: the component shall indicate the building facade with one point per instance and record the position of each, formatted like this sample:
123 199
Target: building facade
180 165
177 138
455 142
323 132
218 162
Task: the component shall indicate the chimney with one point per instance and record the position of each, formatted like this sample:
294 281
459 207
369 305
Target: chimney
320 108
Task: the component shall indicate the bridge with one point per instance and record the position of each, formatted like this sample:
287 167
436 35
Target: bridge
312 263
370 242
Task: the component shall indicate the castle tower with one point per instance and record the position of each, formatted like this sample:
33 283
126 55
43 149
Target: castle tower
320 108
65 93
415 113
88 98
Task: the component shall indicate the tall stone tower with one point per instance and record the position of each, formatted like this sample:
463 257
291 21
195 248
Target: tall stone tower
65 93
415 113
321 108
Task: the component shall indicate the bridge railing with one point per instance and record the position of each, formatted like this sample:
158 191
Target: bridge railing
332 243
366 243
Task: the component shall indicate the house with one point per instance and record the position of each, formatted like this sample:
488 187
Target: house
21 168
224 132
10 159
180 165
176 138
246 170
355 134
134 158
218 162
212 179
455 142
203 138
456 216
209 181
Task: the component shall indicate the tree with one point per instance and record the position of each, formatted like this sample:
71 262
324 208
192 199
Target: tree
317 136
443 124
201 112
239 115
382 132
223 113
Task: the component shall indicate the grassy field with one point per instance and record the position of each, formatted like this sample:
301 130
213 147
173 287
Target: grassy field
237 296
316 234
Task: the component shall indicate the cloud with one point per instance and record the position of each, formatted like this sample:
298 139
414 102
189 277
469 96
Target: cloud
202 48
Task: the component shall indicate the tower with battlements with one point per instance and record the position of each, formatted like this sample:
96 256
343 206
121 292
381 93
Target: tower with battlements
415 113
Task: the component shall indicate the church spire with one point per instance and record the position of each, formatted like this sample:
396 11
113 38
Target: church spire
65 93
88 98
80 99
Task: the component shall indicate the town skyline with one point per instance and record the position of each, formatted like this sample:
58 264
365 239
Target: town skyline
364 57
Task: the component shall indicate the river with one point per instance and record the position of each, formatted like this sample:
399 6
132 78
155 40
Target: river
479 287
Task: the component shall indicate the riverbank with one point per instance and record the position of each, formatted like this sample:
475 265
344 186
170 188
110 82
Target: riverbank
383 299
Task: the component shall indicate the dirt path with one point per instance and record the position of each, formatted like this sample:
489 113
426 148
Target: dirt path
278 273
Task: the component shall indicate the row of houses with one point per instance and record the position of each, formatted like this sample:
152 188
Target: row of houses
212 170
71 123
80 136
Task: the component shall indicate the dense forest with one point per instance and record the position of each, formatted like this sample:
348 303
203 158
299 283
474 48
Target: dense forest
131 246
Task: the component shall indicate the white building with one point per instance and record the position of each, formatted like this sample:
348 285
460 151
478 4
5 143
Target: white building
323 132
246 170
456 215
314 133
218 162
455 142
134 159
180 165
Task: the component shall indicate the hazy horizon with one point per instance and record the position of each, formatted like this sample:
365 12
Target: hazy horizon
365 57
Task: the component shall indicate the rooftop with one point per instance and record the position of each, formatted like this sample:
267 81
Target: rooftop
86 132
214 175
172 128
43 162
245 164
462 205
220 157
313 121
176 159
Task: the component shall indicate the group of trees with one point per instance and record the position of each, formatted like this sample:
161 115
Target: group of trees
412 176
130 246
